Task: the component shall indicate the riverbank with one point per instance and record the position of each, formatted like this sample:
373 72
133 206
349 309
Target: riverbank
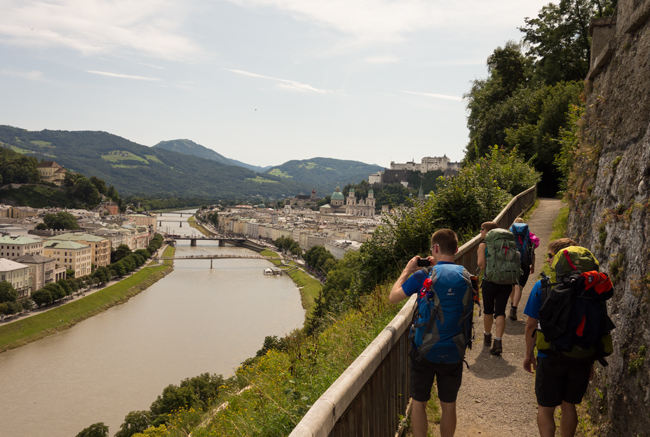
29 329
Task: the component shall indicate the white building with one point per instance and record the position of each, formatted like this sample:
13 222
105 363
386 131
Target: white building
17 275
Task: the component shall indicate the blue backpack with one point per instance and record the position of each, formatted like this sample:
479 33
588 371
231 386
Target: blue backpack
443 321
522 238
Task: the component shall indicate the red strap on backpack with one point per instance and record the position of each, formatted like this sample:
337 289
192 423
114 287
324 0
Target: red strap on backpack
568 259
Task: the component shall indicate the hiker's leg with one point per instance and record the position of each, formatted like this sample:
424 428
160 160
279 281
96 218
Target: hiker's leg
419 423
488 319
515 297
545 421
501 326
569 420
448 419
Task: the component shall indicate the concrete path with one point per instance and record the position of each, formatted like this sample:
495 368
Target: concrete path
497 397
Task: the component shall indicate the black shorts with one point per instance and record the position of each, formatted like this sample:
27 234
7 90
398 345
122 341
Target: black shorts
448 378
560 379
524 278
495 297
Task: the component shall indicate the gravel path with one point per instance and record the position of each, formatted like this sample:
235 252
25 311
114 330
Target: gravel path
497 397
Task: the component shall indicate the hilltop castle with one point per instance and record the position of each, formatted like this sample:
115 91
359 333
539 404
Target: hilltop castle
398 172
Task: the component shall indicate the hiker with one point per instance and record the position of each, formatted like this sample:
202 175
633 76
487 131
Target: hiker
447 290
559 381
500 273
527 242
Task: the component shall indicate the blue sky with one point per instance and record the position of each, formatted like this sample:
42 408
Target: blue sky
260 81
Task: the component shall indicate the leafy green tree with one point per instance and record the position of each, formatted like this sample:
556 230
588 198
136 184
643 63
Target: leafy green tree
120 252
61 220
118 269
134 422
94 430
42 297
558 39
7 292
99 184
65 285
41 227
87 192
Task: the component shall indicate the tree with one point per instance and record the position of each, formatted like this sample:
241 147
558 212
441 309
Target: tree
559 38
120 252
61 220
99 184
42 297
7 292
94 430
87 192
41 227
134 422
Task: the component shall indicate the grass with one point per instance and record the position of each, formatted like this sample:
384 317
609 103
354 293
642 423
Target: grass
21 332
200 228
280 173
262 180
561 222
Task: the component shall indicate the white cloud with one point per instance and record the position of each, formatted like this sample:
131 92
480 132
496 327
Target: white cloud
382 59
146 27
282 83
123 76
389 21
30 75
435 96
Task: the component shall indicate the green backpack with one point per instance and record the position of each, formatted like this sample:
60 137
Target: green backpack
503 261
572 259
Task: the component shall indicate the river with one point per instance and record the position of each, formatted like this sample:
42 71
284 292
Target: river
193 321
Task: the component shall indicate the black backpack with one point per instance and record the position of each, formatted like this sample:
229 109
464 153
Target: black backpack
573 317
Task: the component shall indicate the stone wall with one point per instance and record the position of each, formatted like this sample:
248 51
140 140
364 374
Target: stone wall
610 209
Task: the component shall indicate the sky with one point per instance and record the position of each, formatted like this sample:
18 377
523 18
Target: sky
259 81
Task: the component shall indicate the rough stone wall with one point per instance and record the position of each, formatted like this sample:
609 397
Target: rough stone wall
610 214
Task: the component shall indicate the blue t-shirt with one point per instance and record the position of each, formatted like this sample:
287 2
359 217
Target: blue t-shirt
533 305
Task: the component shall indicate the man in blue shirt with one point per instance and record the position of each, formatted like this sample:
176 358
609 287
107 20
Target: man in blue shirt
558 381
444 245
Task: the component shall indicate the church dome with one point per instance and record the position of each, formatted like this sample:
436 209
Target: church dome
337 195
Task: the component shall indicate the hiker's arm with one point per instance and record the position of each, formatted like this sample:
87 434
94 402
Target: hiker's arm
481 256
530 363
396 293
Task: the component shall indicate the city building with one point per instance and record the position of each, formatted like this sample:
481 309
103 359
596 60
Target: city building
100 246
13 246
42 270
52 172
71 255
17 275
143 220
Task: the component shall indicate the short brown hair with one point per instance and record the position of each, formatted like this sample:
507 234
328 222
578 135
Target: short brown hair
556 245
519 220
488 226
446 239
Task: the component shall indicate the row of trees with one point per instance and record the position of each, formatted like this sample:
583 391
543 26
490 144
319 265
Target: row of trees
124 261
525 101
288 244
192 393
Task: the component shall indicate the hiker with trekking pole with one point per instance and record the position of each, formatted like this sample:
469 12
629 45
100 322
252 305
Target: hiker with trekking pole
569 326
441 329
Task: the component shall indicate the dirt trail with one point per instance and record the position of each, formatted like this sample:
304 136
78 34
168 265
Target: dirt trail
497 397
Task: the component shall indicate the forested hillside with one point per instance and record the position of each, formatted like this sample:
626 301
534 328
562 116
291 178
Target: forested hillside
324 173
191 148
136 169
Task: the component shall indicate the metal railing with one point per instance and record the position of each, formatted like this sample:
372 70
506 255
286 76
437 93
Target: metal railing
368 399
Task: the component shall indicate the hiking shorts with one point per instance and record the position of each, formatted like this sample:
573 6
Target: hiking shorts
448 378
559 379
524 278
495 297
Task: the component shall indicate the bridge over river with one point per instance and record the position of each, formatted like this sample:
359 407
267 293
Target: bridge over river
213 257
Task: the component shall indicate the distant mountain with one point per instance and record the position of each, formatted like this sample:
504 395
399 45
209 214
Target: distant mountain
191 148
325 173
136 169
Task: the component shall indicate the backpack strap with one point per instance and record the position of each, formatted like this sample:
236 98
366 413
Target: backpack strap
568 259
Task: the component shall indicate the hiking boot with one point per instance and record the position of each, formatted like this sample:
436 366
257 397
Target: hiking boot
513 313
496 347
487 339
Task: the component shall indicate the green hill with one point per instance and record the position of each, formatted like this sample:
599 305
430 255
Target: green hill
325 173
189 147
